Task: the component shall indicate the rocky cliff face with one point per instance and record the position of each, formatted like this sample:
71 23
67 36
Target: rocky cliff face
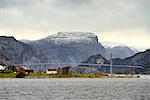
69 47
63 47
17 52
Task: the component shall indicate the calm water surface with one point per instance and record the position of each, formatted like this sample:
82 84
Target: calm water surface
75 89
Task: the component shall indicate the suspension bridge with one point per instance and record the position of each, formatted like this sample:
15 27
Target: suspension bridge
45 66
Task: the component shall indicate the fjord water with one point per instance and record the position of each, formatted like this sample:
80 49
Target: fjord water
75 89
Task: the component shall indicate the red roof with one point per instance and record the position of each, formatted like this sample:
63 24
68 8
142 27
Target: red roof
21 69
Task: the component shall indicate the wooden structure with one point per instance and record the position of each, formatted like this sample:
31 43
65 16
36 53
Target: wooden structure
66 70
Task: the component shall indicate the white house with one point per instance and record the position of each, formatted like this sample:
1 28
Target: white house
52 71
2 67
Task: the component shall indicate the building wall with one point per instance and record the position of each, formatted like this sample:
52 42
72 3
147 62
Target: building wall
51 72
2 67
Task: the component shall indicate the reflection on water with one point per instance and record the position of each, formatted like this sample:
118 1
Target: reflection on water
75 89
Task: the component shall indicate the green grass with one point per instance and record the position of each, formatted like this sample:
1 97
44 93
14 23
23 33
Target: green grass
126 76
73 75
7 75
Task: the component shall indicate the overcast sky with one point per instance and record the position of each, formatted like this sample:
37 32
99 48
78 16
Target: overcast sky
123 21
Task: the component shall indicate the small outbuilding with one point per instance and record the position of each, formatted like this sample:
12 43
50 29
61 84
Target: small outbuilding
2 67
25 70
52 71
66 70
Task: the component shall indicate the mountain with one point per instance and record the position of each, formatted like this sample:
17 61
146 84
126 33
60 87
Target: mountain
118 50
4 60
62 47
96 59
69 47
18 52
141 58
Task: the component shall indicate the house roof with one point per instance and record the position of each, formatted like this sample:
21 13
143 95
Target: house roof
67 67
52 69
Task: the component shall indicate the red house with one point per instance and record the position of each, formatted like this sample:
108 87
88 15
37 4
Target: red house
21 69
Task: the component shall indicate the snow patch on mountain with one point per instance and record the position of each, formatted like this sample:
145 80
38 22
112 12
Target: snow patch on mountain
72 37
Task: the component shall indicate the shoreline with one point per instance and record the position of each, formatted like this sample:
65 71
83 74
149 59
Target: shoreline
47 76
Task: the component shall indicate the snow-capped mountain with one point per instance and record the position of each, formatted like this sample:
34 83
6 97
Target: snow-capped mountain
69 47
72 37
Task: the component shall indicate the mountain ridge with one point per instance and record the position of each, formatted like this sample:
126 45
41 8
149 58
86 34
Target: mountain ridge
139 59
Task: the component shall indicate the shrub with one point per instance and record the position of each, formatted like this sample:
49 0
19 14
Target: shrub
20 75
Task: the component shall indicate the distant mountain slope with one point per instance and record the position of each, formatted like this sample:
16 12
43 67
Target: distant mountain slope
119 52
139 59
17 51
4 60
96 59
122 52
142 59
69 47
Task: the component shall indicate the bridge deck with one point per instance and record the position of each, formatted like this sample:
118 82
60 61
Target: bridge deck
76 65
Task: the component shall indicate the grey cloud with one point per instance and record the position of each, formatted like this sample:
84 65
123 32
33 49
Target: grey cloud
92 15
72 3
13 3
